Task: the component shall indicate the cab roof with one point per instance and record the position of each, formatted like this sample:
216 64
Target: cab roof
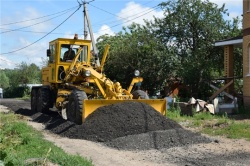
66 40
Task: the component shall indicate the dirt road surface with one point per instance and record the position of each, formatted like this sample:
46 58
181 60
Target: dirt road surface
217 151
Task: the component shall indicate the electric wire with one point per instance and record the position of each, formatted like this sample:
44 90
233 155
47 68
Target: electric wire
38 17
58 33
44 35
110 22
112 13
19 29
7 61
117 15
33 24
128 20
156 7
55 33
135 17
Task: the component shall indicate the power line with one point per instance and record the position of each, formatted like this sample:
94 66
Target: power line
38 17
55 33
117 15
137 17
155 7
7 61
19 29
58 33
106 11
150 9
34 24
44 35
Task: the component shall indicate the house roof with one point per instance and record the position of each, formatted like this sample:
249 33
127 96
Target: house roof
236 41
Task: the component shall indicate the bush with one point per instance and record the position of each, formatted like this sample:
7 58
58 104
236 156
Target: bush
16 92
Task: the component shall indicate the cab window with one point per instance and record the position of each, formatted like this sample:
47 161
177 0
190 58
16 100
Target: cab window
52 50
68 52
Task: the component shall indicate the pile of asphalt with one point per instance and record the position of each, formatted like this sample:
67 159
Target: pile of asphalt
127 125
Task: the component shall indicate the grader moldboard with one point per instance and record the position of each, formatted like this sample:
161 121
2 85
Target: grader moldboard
78 87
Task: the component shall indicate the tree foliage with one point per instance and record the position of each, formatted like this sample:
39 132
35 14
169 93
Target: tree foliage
29 74
4 80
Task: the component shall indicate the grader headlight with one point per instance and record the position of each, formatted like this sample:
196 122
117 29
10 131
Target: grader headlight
137 73
87 73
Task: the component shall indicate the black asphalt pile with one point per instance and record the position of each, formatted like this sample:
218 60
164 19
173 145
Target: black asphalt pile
122 119
128 125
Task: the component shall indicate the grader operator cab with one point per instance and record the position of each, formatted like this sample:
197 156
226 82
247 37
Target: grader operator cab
74 83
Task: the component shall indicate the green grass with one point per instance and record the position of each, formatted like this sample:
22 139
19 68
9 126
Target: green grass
19 142
233 130
207 123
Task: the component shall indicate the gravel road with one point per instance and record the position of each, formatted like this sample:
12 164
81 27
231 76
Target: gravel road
142 138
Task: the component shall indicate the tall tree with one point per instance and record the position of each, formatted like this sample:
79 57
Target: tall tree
192 27
29 74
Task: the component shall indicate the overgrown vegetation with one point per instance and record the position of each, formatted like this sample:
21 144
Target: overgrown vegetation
21 145
207 123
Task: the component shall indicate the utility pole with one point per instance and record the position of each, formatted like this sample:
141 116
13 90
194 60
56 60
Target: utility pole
87 24
85 32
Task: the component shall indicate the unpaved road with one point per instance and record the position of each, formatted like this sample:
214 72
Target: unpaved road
220 151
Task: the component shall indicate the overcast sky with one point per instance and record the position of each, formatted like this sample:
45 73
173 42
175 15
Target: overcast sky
106 16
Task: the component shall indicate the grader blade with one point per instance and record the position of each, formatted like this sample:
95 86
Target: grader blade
90 106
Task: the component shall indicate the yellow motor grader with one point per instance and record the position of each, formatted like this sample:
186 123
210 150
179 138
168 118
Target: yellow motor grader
75 84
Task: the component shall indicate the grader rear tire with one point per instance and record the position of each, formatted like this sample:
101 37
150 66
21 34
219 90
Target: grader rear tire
140 94
75 106
43 99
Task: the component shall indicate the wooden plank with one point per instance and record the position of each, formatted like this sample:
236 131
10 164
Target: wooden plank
225 93
220 90
226 78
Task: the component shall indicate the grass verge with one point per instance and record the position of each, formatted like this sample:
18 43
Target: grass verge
207 123
21 145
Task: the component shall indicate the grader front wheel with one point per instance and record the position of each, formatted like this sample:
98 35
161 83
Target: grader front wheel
75 106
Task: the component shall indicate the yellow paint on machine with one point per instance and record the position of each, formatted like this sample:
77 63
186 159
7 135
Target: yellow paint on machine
89 106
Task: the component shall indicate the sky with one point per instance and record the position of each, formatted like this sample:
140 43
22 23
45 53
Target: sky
25 24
